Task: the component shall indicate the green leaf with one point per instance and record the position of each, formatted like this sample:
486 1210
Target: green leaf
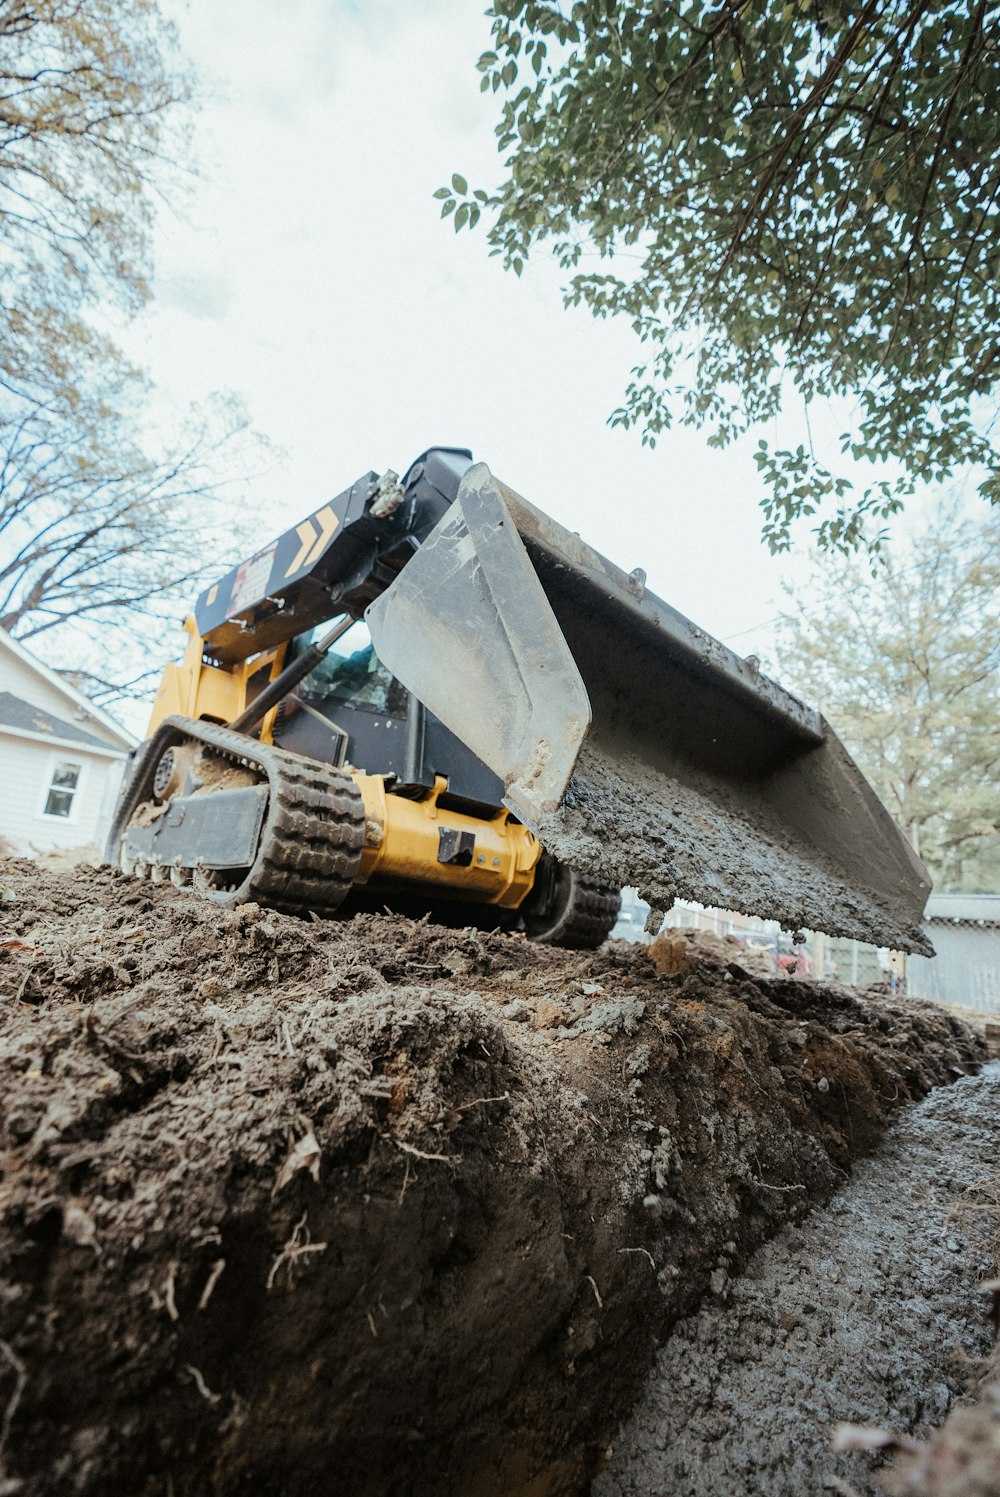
459 184
782 248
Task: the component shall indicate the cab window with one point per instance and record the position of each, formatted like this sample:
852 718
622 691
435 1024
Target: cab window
352 672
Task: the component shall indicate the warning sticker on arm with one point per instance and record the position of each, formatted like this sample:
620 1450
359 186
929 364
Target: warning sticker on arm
251 581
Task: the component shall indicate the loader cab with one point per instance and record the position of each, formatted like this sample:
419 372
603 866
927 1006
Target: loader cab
352 674
352 710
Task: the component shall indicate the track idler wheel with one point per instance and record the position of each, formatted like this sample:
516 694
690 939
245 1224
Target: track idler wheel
171 770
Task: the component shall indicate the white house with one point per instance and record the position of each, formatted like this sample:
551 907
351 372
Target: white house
965 929
61 757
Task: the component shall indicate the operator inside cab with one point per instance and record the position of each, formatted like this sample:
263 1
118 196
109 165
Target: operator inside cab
350 671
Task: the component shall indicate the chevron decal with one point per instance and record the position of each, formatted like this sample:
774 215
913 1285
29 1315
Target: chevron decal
314 536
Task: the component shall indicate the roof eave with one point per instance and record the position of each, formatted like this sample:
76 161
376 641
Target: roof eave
98 750
54 679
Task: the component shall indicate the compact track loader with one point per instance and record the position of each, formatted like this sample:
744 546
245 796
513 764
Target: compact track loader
430 694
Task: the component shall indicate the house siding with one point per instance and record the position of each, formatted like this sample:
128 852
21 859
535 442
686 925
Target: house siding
17 677
26 772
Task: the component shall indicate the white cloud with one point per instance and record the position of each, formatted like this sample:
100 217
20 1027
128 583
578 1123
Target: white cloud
312 274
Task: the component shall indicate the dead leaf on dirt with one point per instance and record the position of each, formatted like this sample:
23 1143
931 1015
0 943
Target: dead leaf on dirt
588 989
304 1156
13 945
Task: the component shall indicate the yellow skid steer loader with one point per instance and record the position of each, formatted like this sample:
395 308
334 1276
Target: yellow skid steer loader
430 694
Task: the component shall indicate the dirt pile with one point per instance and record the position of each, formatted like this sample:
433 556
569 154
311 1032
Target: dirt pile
378 1199
677 950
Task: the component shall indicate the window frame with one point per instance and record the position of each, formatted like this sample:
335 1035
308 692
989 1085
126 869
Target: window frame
55 761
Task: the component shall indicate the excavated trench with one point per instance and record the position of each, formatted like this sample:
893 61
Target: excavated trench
374 1205
869 1314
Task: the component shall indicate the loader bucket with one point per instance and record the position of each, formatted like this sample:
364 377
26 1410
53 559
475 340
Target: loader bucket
637 747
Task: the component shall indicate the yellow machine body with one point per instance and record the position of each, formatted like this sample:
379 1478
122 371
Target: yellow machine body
558 696
402 839
214 693
402 834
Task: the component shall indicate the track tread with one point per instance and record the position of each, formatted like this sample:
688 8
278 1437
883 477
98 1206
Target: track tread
581 914
592 914
313 833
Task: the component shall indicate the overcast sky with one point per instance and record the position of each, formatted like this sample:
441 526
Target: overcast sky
311 274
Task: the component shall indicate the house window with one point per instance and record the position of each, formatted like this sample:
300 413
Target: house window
62 789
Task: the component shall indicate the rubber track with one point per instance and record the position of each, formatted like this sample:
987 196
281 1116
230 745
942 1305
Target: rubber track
314 829
591 914
581 914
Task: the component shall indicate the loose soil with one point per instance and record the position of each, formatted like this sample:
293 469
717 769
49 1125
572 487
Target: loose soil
376 1205
962 1458
632 824
842 1319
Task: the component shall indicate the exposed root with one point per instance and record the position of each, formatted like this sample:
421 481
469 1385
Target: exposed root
201 1384
168 1292
10 1407
296 1248
210 1282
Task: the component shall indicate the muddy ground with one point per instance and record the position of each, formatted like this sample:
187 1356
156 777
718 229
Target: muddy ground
870 1312
381 1205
